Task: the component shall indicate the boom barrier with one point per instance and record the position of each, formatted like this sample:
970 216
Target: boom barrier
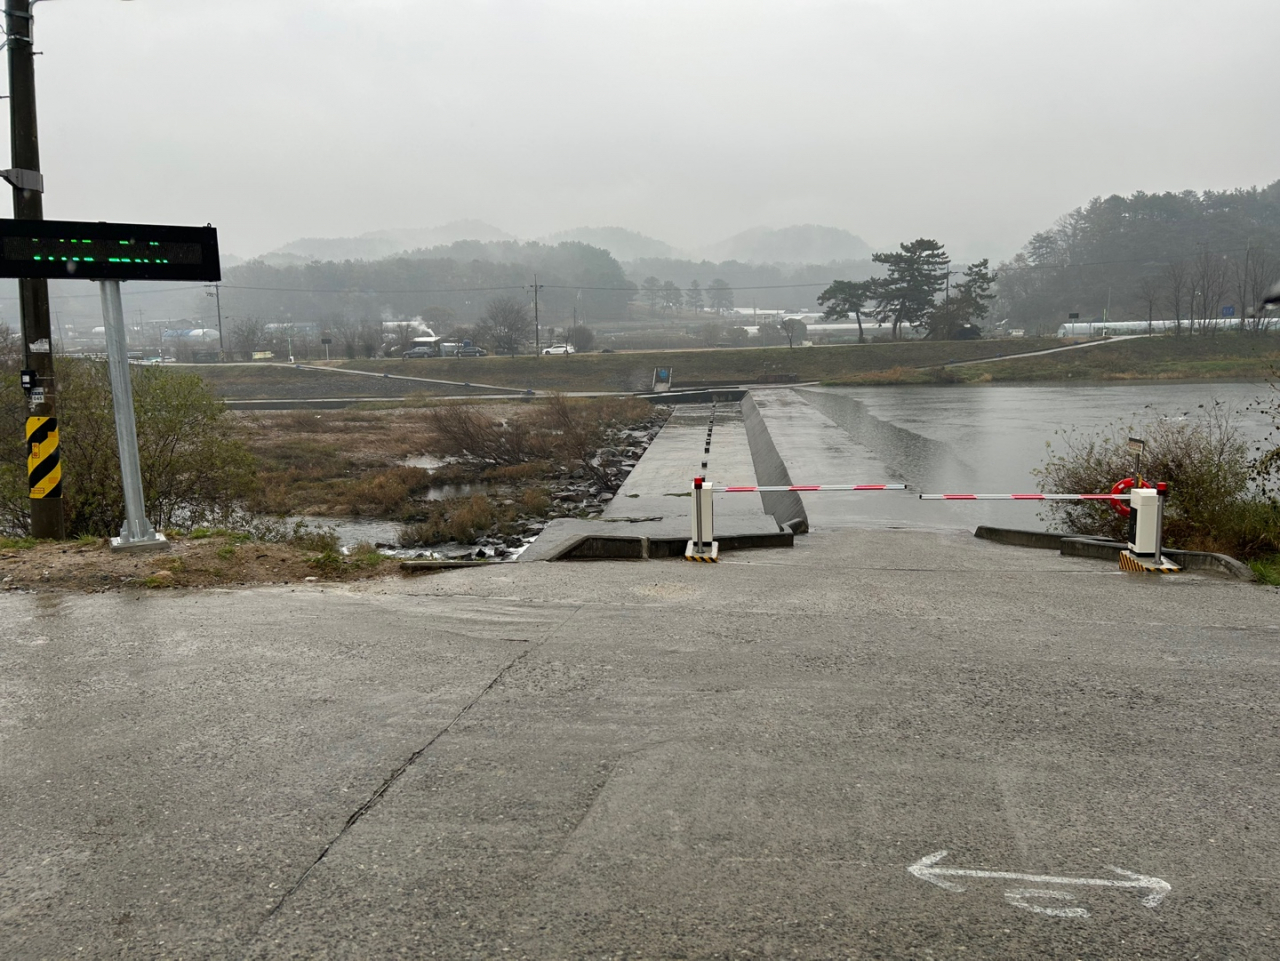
702 545
1024 497
812 487
1146 527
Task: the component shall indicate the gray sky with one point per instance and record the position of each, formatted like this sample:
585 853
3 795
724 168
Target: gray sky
973 121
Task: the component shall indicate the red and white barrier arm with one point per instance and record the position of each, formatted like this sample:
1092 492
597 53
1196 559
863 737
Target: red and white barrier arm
1024 497
812 487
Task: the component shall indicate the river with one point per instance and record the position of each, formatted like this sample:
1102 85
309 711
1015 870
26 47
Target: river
984 440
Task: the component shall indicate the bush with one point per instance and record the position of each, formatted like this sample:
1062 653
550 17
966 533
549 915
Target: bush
194 472
1211 504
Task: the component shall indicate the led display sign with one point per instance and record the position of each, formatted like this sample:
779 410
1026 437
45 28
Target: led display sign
74 250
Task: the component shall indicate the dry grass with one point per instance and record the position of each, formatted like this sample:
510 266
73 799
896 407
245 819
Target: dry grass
351 462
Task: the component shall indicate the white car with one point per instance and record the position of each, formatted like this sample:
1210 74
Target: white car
558 349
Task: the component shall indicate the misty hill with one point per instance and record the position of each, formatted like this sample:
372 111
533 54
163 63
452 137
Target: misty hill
806 244
1150 256
378 244
454 281
622 243
764 286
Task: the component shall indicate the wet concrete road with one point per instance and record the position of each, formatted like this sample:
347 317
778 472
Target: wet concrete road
652 759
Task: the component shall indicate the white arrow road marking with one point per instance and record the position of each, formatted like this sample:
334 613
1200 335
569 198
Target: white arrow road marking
1018 898
925 870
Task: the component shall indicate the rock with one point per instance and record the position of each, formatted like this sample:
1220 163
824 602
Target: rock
311 580
606 497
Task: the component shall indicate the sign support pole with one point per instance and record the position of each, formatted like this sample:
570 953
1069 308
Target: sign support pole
137 532
37 341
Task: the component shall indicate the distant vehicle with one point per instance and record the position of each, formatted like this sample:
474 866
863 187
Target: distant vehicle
472 352
606 350
419 352
558 349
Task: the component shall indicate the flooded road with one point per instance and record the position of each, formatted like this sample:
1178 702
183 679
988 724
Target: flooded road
962 440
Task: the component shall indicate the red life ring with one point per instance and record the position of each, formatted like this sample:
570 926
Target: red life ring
1122 487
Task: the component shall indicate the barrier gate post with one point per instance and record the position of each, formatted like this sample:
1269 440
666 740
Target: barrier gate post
1147 526
702 546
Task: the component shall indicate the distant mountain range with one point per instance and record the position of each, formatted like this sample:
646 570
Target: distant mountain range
379 244
622 243
804 244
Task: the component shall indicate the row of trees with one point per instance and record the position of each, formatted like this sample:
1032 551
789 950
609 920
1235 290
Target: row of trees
666 295
915 292
1173 256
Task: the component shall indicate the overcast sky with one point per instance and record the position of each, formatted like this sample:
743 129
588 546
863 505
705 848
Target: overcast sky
976 122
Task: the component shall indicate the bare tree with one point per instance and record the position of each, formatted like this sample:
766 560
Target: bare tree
404 332
247 334
793 328
347 334
1253 274
506 324
1210 282
1178 291
370 337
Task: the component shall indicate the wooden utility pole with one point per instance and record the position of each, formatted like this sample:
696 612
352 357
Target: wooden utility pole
537 345
44 469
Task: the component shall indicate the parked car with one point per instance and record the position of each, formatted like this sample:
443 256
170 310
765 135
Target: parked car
472 352
558 349
418 352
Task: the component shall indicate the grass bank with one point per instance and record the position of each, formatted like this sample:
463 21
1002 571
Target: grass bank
633 370
1227 356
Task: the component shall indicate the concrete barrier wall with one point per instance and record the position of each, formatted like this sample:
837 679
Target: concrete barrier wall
785 506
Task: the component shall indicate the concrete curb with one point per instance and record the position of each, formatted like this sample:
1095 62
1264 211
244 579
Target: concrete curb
786 507
602 547
1103 550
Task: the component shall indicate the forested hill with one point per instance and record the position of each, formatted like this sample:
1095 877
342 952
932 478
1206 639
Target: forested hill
1156 256
461 278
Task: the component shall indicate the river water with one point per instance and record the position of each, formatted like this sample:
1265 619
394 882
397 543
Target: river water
984 440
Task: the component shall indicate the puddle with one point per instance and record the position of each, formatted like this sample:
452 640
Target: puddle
425 461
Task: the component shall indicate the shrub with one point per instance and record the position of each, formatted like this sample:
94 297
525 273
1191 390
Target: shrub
194 472
1211 505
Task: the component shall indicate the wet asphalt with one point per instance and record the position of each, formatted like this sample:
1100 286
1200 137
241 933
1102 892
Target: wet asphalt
651 759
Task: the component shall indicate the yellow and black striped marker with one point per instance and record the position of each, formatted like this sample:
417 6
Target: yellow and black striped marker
44 467
711 556
1146 565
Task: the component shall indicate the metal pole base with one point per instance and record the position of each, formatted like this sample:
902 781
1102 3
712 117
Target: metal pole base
707 551
154 541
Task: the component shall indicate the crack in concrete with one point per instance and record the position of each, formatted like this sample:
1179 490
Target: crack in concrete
385 786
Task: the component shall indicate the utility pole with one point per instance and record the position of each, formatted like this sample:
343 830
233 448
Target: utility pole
44 468
537 345
222 347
